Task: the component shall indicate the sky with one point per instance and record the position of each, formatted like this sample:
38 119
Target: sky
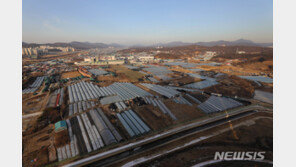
131 22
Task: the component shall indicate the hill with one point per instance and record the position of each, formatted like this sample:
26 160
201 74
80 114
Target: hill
75 44
239 42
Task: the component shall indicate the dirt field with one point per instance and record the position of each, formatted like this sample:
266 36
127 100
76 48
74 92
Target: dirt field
180 69
184 80
231 70
32 104
35 146
105 83
267 87
265 66
132 76
71 74
153 116
244 68
109 78
183 112
147 90
233 86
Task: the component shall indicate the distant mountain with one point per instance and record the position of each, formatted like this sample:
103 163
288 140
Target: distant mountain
75 44
88 45
173 44
239 42
24 44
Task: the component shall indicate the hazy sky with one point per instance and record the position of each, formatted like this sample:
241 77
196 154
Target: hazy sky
146 21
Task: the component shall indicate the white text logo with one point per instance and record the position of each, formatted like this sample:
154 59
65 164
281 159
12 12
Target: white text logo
230 155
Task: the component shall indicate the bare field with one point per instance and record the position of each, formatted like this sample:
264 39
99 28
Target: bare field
110 78
35 146
180 81
33 104
184 112
243 68
233 86
153 116
265 66
132 76
71 74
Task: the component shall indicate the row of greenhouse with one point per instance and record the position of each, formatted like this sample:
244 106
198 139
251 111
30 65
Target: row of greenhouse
193 98
215 104
183 89
124 91
80 107
120 105
88 132
132 123
258 78
98 72
116 92
84 91
163 77
181 100
202 84
165 91
69 150
37 82
153 79
128 91
34 86
145 73
158 103
159 72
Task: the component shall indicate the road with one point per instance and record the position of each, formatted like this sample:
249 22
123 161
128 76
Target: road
212 162
31 115
181 143
116 154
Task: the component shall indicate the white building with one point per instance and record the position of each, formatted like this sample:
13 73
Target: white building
240 52
145 58
208 55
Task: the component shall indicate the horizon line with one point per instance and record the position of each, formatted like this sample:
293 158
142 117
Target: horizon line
108 43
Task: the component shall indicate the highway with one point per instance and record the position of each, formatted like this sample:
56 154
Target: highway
116 154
